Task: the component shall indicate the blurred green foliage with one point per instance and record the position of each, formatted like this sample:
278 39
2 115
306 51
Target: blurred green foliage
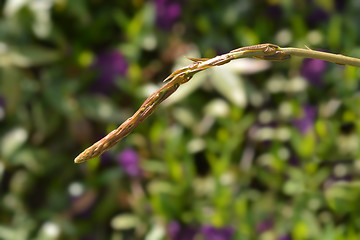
250 150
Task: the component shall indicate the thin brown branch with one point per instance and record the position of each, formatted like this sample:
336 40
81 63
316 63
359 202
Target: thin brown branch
266 51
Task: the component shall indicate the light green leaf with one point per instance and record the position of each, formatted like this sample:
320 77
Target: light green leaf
12 141
31 55
229 85
247 66
124 221
217 108
344 197
100 108
156 232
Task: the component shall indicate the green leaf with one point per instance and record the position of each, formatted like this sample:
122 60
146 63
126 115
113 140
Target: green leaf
344 197
31 56
304 144
100 108
124 221
229 85
12 141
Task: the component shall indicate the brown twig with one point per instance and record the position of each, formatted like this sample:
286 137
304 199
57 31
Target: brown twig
262 51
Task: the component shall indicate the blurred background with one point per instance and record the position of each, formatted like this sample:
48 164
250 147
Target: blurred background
249 150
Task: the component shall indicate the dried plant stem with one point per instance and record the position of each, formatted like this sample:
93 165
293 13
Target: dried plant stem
266 51
146 109
330 57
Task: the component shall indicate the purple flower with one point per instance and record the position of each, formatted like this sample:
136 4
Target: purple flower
264 226
129 161
2 101
340 5
2 107
212 233
106 159
313 70
294 160
109 65
285 237
307 120
177 231
167 12
274 11
317 16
